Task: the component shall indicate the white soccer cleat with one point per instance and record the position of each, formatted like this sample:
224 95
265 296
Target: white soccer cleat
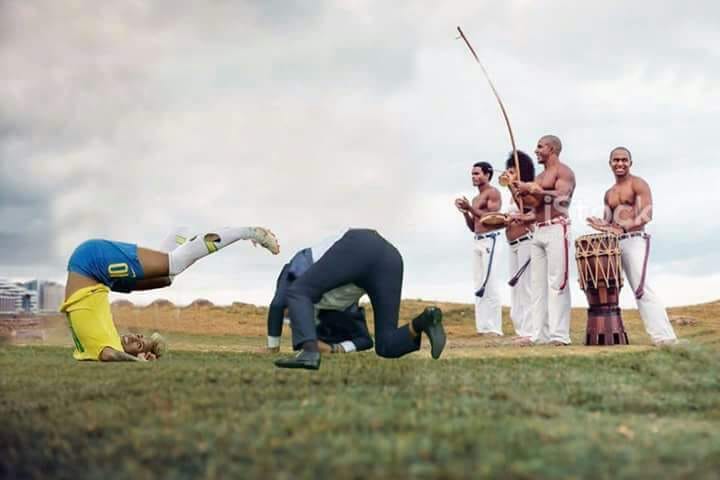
266 239
204 244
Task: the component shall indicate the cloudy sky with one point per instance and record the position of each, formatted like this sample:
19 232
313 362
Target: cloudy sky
122 120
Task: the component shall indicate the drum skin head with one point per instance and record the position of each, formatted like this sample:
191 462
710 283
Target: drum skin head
495 219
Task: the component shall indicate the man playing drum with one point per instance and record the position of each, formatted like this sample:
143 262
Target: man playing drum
554 187
628 208
488 315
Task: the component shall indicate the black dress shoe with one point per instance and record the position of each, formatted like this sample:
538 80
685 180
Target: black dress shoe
435 331
304 359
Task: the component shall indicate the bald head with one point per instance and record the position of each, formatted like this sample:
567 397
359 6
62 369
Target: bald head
554 142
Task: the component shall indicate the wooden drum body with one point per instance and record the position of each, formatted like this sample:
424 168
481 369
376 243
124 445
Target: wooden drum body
598 258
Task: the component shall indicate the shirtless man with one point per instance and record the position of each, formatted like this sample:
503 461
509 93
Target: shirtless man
519 236
628 208
488 316
549 253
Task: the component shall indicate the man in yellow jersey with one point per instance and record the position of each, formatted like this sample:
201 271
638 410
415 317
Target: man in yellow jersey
98 266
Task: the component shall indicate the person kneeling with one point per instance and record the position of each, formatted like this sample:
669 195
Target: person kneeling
340 321
363 261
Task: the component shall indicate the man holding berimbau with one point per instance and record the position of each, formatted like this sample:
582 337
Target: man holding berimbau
519 237
628 208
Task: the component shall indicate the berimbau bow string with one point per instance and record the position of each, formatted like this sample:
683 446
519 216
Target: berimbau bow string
502 109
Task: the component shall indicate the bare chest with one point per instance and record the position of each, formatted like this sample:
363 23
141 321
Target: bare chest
618 196
480 202
547 180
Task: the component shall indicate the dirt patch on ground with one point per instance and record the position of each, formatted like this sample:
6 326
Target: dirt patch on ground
683 321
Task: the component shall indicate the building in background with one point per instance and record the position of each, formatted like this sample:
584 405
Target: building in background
50 295
16 298
35 296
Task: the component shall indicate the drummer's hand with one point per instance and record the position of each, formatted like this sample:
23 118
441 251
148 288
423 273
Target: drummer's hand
597 222
602 225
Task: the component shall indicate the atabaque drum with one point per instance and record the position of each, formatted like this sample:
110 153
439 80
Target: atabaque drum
598 258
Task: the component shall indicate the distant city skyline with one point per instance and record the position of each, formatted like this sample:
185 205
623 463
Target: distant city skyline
30 296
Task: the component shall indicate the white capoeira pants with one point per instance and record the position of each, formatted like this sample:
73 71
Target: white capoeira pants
488 314
550 315
652 311
521 293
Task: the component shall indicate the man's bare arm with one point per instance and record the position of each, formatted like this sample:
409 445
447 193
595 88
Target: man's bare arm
462 205
607 210
564 187
469 221
494 202
643 204
111 355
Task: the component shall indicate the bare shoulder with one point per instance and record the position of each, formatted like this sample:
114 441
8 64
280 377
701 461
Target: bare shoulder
493 192
566 172
639 183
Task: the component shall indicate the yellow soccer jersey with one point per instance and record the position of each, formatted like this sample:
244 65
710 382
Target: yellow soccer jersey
91 323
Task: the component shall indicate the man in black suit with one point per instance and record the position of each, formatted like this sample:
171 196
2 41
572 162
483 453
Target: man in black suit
338 272
340 328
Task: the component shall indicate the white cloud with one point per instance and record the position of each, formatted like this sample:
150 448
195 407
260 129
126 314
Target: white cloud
123 120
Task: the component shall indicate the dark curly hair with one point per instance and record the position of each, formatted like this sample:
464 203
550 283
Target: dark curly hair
527 167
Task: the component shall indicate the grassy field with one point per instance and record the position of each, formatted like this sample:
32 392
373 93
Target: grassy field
212 410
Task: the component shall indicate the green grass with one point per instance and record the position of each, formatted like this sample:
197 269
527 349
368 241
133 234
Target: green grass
229 415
